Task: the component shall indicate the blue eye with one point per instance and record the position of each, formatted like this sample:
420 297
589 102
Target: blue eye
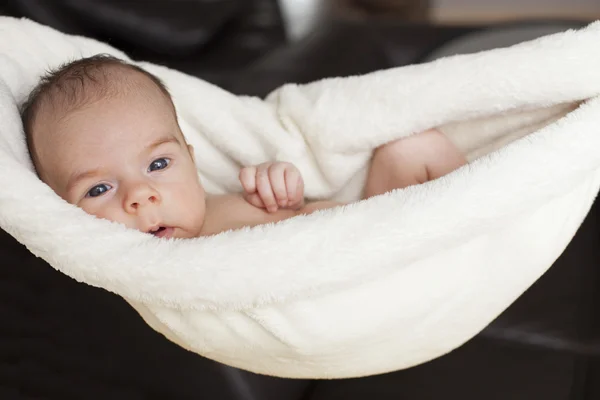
98 190
158 164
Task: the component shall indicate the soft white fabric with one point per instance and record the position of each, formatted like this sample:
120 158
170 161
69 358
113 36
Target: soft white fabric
375 286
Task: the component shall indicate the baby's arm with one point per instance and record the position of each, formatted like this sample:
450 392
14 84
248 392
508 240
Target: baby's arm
436 153
409 161
412 160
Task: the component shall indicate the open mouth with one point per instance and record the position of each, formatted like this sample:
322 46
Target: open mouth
162 231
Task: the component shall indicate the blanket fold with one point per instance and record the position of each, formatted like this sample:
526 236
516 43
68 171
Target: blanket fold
371 287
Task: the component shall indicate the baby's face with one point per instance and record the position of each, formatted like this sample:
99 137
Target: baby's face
124 159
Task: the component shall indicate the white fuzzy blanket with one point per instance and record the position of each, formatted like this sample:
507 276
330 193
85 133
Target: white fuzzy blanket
376 286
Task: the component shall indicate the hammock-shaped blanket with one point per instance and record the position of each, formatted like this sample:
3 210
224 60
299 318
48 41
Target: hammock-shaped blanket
378 285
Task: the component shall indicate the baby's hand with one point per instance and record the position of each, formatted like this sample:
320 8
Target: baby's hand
273 186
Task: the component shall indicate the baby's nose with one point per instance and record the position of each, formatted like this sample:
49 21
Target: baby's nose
140 197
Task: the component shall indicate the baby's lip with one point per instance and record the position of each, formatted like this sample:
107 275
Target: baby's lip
162 231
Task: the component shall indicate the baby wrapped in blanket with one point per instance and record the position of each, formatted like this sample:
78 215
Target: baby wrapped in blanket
319 292
104 135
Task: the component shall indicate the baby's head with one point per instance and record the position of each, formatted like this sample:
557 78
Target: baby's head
104 135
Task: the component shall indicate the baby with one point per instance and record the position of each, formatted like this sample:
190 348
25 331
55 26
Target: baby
104 135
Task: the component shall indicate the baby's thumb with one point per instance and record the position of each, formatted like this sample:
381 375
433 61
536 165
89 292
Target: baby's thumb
248 179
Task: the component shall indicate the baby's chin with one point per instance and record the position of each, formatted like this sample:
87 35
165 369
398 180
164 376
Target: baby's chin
181 234
169 232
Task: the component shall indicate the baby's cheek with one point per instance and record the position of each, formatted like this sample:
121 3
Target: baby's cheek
109 212
188 187
89 207
191 198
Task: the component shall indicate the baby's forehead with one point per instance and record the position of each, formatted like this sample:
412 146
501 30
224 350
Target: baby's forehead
105 82
75 93
108 131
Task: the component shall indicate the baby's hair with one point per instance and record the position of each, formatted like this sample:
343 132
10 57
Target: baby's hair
75 84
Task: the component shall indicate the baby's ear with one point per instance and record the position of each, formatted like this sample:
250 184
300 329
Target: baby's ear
191 150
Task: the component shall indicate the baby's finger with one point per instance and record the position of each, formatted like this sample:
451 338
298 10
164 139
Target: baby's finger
263 187
277 178
248 179
294 185
255 200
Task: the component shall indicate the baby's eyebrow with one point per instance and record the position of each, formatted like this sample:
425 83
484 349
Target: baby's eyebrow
78 177
161 141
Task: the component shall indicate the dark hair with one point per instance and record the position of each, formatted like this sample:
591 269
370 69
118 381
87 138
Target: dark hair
73 84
